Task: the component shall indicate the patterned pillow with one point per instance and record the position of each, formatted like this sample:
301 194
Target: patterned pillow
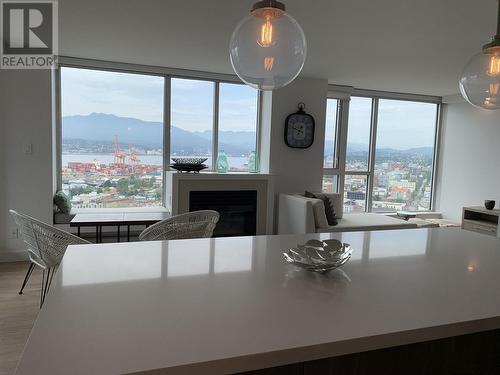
329 207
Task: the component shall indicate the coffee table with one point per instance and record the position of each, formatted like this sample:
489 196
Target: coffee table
100 220
406 215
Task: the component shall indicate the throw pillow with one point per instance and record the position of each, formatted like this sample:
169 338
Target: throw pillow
62 202
329 207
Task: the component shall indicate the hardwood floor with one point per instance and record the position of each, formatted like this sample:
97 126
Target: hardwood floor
17 312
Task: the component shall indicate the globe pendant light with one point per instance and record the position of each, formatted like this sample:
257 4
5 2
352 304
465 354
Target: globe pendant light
268 47
480 81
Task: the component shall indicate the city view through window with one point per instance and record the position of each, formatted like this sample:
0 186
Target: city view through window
404 156
112 140
112 133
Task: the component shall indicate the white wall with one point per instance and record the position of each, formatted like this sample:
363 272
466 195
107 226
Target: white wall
469 165
26 185
296 169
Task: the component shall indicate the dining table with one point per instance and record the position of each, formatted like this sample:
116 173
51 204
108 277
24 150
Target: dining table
115 219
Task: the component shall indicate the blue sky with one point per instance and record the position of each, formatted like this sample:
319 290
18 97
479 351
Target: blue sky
141 96
401 124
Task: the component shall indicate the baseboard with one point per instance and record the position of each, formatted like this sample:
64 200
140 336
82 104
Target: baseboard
13 256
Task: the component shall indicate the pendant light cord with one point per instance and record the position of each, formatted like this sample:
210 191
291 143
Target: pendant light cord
498 19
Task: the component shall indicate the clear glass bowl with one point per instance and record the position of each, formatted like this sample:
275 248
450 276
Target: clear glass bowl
319 256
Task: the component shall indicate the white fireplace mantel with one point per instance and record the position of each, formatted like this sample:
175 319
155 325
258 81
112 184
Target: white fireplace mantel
178 186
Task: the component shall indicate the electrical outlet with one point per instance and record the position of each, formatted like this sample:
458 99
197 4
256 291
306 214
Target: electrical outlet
14 233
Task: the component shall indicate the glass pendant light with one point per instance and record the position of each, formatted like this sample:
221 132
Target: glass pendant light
480 81
268 47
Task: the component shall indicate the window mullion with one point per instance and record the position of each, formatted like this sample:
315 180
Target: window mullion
371 154
167 128
58 140
215 128
435 161
258 128
343 125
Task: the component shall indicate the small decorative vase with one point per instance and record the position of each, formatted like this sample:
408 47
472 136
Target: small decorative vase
222 163
489 204
253 163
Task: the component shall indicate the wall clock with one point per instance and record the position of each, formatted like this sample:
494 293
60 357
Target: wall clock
299 129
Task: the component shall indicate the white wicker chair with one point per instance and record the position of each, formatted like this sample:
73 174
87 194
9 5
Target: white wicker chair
197 224
46 246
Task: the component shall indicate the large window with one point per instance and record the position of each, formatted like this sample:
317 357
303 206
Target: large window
358 134
404 155
194 121
388 163
237 123
112 138
330 160
192 118
113 125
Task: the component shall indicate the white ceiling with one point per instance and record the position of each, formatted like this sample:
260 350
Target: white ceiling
416 46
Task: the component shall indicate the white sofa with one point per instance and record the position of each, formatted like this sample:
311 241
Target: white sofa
298 214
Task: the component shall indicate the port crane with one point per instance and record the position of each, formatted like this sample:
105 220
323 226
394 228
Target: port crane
119 154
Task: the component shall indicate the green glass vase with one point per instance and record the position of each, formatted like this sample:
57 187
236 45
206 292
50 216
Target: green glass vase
222 163
253 163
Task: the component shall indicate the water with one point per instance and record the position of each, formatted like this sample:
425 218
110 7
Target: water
237 162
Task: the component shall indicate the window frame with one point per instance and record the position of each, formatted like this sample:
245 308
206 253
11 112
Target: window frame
168 74
343 96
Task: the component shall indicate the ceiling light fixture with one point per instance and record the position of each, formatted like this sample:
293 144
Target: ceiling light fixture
480 81
268 47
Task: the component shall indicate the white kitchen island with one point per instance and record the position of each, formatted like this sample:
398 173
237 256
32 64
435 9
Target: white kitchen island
228 305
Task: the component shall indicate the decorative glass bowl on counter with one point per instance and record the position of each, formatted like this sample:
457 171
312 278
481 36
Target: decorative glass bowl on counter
319 256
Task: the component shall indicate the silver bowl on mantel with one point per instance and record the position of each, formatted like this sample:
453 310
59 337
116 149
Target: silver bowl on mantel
319 256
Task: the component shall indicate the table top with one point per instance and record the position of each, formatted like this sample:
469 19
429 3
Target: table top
118 218
211 306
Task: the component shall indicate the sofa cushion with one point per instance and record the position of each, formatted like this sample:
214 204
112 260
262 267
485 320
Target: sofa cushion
318 211
366 222
329 207
337 202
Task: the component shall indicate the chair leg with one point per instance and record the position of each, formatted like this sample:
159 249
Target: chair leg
45 287
41 292
54 269
27 277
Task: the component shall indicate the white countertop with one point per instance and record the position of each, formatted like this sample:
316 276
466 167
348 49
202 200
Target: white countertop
212 306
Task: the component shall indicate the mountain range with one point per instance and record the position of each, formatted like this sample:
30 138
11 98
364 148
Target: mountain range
100 128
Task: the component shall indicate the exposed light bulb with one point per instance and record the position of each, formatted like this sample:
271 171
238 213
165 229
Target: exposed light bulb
266 33
494 66
268 63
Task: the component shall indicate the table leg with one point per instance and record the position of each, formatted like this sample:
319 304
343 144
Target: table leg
128 233
118 237
97 234
79 231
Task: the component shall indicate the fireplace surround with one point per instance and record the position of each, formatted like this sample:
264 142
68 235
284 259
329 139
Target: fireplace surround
239 197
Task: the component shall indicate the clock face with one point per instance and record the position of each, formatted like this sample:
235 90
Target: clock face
299 130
